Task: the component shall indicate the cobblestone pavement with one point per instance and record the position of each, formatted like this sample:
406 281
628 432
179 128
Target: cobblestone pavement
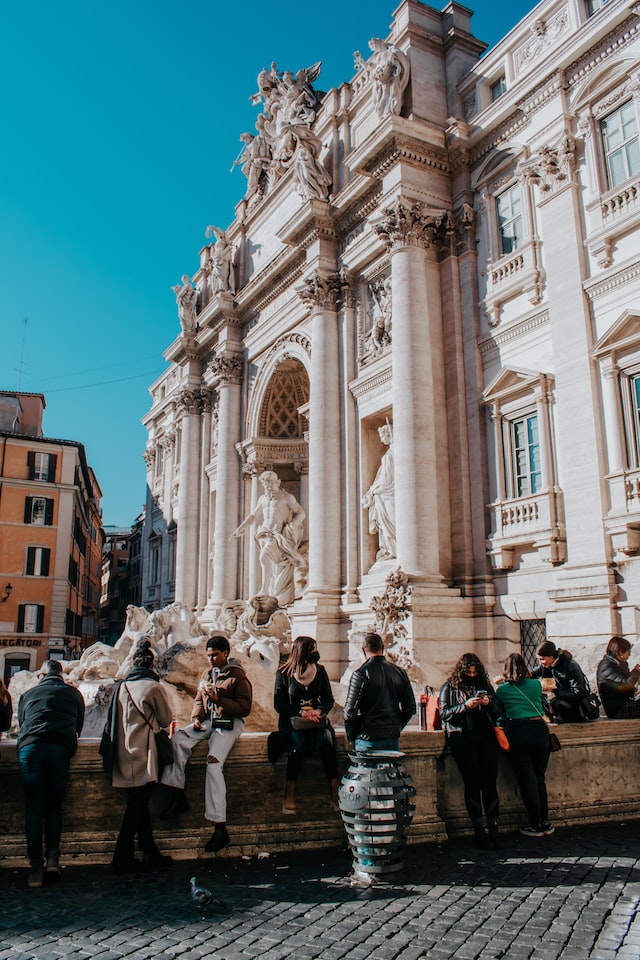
572 896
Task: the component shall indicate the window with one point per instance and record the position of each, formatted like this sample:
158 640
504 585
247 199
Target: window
38 510
38 559
525 448
155 564
594 5
509 210
42 466
532 634
159 460
30 618
498 88
620 140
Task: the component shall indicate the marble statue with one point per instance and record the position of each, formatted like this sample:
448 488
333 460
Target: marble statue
380 499
221 263
279 535
186 301
259 628
288 101
255 158
313 180
389 70
380 334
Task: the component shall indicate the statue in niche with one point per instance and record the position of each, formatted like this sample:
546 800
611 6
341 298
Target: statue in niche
186 301
379 336
221 262
255 158
380 499
389 71
280 520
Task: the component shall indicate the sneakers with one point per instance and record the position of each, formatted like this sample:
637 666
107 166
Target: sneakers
219 839
548 828
35 877
52 866
532 831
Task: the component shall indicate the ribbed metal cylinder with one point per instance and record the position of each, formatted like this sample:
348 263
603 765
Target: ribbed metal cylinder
375 804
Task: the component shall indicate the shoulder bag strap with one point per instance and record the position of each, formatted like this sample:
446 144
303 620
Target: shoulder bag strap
530 701
144 717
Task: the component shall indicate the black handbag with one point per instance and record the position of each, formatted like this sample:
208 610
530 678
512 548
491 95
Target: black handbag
589 707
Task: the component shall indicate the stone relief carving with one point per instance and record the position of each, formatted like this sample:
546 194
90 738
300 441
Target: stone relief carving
543 34
388 71
380 499
220 266
186 302
283 137
550 166
279 536
378 338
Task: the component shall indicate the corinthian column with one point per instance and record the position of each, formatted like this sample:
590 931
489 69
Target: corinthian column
423 529
191 403
325 511
227 371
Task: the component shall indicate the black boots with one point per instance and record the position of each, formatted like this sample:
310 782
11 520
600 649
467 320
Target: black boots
177 804
219 839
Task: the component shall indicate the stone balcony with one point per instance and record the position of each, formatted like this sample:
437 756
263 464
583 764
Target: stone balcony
536 520
593 779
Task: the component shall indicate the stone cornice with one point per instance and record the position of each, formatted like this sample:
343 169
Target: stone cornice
375 379
494 340
270 285
398 140
600 285
623 34
315 218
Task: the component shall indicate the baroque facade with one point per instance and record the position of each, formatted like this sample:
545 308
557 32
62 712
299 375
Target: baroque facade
425 319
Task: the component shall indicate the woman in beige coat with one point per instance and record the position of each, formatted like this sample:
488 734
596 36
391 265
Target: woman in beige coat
142 708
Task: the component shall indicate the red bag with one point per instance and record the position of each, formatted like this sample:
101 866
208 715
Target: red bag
433 721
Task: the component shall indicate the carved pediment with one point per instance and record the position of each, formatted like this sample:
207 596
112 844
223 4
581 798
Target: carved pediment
622 336
510 381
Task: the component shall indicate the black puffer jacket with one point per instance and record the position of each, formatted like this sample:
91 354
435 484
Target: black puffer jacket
457 719
571 683
380 701
616 684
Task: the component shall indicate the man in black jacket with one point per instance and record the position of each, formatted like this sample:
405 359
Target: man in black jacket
570 686
380 701
50 716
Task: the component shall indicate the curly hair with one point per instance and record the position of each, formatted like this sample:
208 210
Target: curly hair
458 679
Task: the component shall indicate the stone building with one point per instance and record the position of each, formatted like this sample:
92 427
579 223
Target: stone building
425 319
50 540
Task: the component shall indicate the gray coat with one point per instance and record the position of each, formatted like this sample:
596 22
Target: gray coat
135 756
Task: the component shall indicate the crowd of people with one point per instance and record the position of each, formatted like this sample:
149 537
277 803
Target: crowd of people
480 718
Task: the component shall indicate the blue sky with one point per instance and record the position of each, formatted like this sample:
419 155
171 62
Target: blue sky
121 121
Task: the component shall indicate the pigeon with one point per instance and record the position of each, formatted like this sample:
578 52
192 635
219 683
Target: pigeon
204 898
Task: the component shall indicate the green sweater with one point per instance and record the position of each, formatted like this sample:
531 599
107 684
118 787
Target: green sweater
513 699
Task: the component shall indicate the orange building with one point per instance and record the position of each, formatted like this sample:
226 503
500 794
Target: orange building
50 540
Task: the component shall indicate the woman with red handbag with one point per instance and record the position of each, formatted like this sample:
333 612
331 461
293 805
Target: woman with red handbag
303 699
468 707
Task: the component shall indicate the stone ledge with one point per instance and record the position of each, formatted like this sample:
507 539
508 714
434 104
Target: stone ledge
588 781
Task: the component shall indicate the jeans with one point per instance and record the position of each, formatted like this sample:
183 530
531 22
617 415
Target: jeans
477 760
529 756
312 741
369 746
44 771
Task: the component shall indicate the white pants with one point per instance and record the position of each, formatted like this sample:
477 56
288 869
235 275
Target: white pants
220 744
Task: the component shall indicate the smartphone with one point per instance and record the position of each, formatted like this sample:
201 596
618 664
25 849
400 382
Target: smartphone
481 693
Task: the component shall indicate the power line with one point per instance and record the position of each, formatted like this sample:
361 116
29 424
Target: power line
101 383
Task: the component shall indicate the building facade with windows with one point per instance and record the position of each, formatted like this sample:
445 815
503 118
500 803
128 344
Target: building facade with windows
50 540
447 244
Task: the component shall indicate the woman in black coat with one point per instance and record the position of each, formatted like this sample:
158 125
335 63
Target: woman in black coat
617 683
303 699
468 707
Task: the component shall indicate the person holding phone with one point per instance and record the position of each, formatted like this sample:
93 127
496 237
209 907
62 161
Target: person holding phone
468 707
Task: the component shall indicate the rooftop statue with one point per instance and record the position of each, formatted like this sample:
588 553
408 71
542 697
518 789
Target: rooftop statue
389 69
221 262
255 159
186 301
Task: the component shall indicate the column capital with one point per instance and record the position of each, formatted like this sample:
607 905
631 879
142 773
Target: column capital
227 369
550 167
410 223
322 291
190 401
